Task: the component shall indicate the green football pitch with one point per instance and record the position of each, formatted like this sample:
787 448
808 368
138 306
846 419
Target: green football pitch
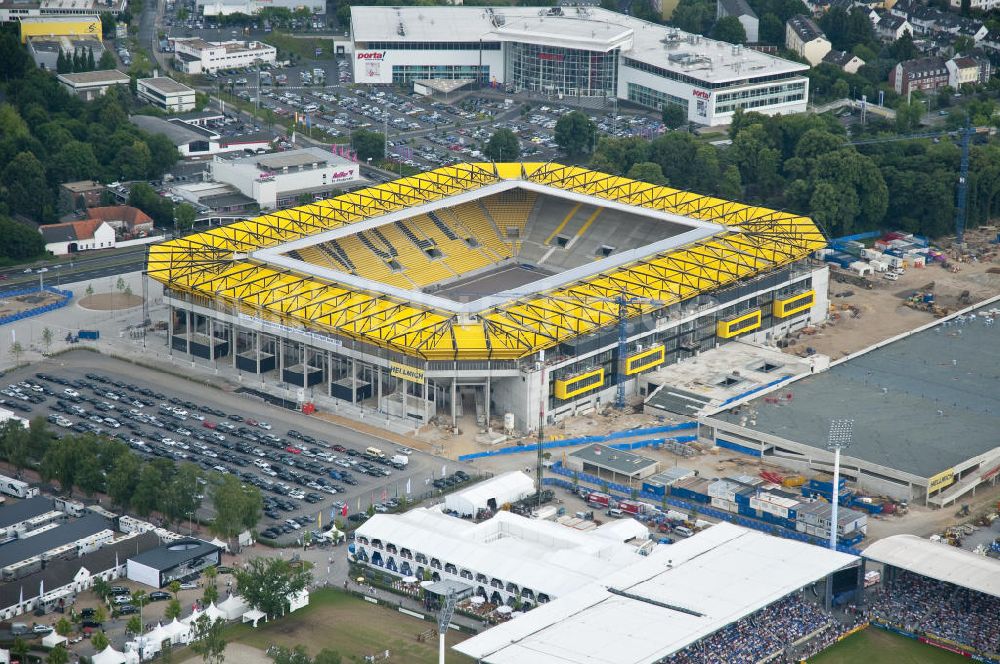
876 646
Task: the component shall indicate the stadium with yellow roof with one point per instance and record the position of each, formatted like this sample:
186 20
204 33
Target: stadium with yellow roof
501 283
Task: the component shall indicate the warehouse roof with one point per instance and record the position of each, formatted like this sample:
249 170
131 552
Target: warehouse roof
173 554
506 488
165 85
68 533
938 561
24 510
662 603
615 460
906 397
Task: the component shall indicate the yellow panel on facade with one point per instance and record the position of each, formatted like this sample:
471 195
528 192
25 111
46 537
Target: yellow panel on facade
788 306
83 26
567 388
941 480
727 329
644 360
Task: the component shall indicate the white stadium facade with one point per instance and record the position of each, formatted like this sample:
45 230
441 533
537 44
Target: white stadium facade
574 52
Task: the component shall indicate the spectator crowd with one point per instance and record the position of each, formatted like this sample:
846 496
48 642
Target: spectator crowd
757 636
925 606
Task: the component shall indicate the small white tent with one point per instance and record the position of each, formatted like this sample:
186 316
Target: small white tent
52 639
254 616
109 656
178 632
491 494
233 607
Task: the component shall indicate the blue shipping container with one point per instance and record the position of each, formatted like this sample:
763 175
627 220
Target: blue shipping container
654 488
90 334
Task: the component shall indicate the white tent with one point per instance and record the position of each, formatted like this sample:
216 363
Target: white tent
491 494
233 607
254 616
109 656
52 639
219 543
214 613
298 600
177 632
155 638
131 657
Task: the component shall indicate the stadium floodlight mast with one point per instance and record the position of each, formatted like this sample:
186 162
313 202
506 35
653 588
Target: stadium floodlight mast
840 437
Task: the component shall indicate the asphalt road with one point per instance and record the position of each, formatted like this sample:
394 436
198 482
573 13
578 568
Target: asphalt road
83 268
422 468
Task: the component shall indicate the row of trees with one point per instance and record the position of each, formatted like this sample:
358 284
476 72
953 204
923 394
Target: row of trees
805 163
94 464
48 137
83 60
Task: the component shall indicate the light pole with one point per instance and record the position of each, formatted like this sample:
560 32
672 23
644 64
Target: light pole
190 516
839 438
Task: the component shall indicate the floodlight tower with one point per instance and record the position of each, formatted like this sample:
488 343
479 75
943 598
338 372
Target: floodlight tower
840 437
444 619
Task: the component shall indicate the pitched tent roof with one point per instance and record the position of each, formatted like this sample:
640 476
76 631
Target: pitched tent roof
109 656
938 561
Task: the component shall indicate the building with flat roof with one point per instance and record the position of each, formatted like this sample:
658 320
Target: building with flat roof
89 85
503 559
174 560
60 26
166 94
603 461
197 56
18 10
80 195
45 50
251 7
581 52
925 408
670 600
69 540
282 179
193 141
26 515
491 494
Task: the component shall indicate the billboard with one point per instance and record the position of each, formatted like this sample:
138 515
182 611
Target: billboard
941 480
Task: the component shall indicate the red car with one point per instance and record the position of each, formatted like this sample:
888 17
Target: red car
208 425
251 421
339 448
293 449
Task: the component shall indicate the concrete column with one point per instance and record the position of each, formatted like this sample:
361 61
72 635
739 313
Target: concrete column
354 380
378 386
454 397
329 374
281 358
489 395
171 312
305 368
232 343
211 339
427 384
188 327
256 341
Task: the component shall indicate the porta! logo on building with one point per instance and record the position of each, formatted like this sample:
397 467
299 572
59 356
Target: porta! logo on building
371 55
701 94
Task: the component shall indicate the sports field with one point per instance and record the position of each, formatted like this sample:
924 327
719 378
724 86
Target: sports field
352 627
876 646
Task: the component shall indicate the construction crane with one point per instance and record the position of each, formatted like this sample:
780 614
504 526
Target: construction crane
964 135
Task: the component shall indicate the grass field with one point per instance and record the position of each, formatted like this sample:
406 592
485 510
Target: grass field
352 627
876 646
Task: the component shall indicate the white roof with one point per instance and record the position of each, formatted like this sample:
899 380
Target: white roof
723 573
541 555
506 488
108 656
588 28
52 639
938 561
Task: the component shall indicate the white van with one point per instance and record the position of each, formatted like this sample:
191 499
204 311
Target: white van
891 276
683 531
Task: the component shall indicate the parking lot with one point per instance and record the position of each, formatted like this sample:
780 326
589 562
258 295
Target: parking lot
303 466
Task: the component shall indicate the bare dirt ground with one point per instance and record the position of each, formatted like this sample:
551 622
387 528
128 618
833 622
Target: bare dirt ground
238 652
10 306
110 301
883 313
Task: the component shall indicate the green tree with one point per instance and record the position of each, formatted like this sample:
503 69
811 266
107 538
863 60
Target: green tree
502 146
575 134
107 61
237 506
16 350
283 655
19 648
62 67
174 587
47 337
120 284
212 574
90 59
266 583
64 627
368 144
211 594
99 641
772 29
90 290
673 116
134 625
23 187
209 641
124 479
18 242
647 171
756 159
184 216
15 444
173 609
729 29
100 613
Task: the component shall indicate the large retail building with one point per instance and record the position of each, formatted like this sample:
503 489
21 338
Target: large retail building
574 52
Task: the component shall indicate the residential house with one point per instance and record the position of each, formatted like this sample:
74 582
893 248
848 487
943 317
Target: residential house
976 5
848 62
74 236
804 37
80 195
128 222
921 74
890 27
967 70
742 11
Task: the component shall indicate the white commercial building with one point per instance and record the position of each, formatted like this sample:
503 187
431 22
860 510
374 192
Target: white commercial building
503 559
89 85
492 494
574 52
197 56
251 7
16 10
643 612
166 94
283 179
